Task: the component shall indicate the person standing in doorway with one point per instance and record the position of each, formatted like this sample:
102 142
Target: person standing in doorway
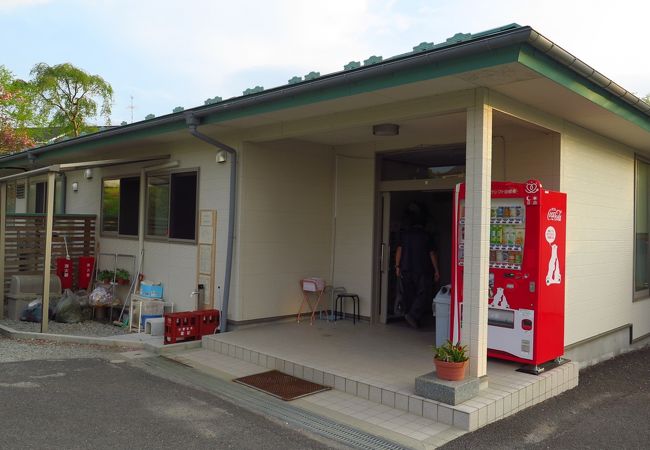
416 264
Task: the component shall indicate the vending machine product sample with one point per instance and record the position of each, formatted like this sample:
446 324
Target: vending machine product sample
526 277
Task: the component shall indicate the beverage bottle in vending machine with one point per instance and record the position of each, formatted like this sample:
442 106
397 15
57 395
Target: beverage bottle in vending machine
519 237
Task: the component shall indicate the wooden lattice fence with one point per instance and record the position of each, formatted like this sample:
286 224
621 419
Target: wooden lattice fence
24 236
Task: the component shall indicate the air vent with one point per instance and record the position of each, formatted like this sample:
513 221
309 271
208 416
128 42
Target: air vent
20 190
525 346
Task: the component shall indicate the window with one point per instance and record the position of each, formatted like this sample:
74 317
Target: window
120 204
171 205
641 211
10 201
37 195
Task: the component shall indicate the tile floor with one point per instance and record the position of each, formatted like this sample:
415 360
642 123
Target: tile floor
379 364
409 429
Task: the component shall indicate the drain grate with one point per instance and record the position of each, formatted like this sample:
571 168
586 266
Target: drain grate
266 405
281 385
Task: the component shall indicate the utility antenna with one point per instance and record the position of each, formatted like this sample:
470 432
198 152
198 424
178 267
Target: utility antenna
131 107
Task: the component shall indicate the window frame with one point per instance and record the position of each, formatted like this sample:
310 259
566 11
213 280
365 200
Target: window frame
28 195
169 173
641 294
117 234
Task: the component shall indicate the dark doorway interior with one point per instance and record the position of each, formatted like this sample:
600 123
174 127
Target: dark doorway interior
438 208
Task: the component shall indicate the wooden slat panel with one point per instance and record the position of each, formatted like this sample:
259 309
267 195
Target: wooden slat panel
25 242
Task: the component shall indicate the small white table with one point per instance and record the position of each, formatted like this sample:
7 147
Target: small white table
137 303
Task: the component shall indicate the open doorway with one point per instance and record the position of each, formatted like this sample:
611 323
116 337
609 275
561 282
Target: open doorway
436 210
425 177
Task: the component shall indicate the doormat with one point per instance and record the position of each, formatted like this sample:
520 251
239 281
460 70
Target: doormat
281 385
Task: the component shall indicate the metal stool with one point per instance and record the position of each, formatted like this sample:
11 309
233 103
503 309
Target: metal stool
340 306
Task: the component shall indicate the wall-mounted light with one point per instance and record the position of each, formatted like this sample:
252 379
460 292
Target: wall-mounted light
385 129
88 173
222 157
75 186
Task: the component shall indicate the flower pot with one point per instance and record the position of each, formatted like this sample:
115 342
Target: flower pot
451 371
122 281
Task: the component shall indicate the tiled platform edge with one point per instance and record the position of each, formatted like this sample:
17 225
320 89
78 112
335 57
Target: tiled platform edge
507 392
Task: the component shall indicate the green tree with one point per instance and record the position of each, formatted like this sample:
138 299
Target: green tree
16 113
69 97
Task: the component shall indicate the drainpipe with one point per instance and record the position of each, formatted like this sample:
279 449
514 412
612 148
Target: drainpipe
193 122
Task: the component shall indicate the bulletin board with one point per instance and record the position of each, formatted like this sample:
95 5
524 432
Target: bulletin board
206 255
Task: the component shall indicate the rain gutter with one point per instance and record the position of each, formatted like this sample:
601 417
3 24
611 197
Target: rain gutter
565 58
192 123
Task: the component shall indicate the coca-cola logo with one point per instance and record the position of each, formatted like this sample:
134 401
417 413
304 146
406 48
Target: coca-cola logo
554 214
532 187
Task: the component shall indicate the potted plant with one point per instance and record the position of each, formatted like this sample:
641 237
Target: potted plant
105 276
450 361
122 276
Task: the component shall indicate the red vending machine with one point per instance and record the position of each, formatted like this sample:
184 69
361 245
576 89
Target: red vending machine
526 283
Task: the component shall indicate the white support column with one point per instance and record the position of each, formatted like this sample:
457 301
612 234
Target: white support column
49 222
478 180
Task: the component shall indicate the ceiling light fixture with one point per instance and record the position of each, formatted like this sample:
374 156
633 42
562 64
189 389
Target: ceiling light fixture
385 129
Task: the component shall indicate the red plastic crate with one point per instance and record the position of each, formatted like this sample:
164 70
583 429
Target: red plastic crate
208 321
181 326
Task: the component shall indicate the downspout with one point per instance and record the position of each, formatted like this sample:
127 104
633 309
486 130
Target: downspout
193 122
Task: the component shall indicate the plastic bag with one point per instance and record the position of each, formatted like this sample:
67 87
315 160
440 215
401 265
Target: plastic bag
68 309
101 295
34 311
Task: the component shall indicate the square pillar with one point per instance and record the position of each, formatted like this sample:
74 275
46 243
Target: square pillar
478 180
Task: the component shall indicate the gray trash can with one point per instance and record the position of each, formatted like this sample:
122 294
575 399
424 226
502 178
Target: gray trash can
441 305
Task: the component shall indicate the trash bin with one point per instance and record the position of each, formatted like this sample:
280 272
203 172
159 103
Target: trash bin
441 305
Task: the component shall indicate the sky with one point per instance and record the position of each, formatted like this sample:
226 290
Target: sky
160 54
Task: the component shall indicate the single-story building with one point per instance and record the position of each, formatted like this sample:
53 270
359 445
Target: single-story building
310 179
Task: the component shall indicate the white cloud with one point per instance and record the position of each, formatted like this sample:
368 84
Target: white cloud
211 45
8 5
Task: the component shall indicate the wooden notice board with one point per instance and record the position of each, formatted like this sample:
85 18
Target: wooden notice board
206 254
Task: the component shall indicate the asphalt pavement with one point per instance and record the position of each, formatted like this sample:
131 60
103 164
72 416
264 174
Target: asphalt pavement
110 404
610 409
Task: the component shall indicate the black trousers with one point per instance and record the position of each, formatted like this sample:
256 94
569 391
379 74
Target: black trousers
417 293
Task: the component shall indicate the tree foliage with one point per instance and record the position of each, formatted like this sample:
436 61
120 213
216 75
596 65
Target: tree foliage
69 96
16 113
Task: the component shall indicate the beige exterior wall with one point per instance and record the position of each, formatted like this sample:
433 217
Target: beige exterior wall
598 176
520 156
173 264
354 213
285 231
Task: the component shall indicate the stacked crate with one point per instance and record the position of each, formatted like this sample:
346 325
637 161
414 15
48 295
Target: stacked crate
189 326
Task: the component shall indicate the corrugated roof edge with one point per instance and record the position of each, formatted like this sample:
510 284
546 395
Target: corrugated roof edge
490 39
